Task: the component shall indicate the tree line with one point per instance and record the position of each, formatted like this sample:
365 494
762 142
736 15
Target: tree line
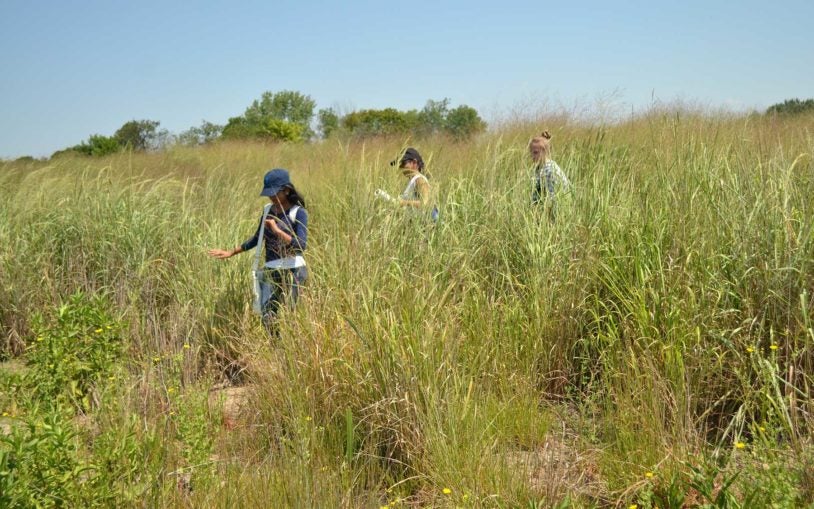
288 116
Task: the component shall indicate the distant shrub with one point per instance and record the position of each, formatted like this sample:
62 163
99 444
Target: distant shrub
97 145
64 152
271 129
384 122
791 107
103 145
435 118
282 130
205 133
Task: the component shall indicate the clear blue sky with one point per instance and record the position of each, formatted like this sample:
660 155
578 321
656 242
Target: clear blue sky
72 69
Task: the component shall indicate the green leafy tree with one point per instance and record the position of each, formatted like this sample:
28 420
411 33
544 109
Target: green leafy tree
138 135
237 128
463 122
328 122
284 116
287 105
433 117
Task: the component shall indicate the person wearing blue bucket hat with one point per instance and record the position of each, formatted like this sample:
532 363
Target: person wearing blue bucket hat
283 229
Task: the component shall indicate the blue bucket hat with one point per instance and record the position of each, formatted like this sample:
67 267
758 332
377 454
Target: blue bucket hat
274 181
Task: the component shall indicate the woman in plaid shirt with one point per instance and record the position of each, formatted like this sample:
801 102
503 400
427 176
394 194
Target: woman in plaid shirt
549 178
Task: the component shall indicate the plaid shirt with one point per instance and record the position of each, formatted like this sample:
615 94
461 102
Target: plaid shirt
548 179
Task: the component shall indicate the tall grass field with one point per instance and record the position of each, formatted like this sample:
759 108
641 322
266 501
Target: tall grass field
654 347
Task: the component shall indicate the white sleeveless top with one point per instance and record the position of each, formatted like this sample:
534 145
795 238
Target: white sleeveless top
410 192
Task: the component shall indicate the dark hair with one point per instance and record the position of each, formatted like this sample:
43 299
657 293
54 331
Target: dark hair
294 197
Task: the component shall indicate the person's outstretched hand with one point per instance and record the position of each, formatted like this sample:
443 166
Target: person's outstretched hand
221 254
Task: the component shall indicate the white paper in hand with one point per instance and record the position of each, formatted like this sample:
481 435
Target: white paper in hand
380 193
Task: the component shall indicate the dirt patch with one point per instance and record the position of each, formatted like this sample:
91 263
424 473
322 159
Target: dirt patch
13 367
559 468
231 402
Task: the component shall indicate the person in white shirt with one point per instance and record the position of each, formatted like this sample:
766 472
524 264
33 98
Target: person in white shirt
418 193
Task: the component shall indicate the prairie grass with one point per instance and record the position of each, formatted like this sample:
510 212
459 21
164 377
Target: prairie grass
493 360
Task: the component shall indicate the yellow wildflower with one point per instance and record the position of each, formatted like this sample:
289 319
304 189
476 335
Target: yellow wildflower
98 331
740 445
446 491
308 418
649 475
762 429
156 359
773 347
186 346
39 338
750 349
170 390
5 414
633 506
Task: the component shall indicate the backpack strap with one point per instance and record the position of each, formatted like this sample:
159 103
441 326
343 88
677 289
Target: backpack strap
409 192
256 271
260 234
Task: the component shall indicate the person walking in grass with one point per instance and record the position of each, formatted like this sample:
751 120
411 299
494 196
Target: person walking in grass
418 193
549 179
283 232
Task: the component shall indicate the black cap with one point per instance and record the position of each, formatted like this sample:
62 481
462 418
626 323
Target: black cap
410 154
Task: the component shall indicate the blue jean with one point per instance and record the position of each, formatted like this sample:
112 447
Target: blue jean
279 288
